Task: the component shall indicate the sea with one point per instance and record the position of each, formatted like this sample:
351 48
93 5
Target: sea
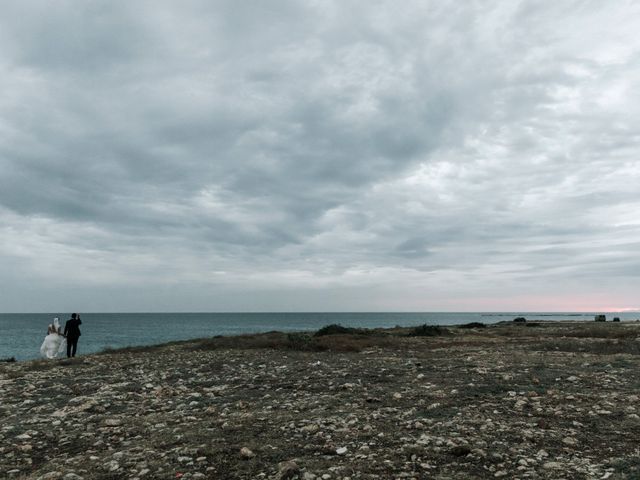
23 333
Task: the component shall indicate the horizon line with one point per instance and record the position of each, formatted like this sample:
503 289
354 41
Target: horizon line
485 312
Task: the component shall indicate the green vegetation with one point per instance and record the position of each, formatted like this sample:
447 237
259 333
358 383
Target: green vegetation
473 325
335 329
428 331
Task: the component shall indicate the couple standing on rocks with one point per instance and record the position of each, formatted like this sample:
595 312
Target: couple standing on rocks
56 340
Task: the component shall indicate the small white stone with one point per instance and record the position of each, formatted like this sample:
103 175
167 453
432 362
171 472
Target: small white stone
246 453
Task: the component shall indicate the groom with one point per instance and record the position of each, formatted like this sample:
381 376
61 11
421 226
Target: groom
72 332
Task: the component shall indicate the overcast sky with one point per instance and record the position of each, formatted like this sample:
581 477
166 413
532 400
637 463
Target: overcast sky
319 155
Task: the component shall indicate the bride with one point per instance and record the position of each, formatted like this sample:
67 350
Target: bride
54 342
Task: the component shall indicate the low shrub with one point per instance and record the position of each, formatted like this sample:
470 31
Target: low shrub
473 325
427 331
335 329
300 341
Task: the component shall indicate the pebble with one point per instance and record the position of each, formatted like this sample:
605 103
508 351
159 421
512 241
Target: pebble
246 453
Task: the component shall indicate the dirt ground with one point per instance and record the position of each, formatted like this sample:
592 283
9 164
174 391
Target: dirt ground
532 400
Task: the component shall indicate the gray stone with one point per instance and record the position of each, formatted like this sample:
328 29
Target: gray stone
288 470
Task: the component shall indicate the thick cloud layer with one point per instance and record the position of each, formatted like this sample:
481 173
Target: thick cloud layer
319 155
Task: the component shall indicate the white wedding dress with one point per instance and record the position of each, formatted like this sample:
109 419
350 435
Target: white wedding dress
54 343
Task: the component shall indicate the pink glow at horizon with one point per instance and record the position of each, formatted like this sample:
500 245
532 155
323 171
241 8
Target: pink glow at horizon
620 310
543 303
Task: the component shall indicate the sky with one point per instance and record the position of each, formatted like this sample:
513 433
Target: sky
316 155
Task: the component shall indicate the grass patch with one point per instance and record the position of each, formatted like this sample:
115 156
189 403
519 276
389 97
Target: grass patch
141 348
270 340
355 343
336 342
595 346
602 331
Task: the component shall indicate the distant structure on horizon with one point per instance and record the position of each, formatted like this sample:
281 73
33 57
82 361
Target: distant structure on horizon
601 318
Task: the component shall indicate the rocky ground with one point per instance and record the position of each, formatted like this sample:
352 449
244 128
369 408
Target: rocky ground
509 401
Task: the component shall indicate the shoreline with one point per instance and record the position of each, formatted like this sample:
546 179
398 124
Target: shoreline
398 330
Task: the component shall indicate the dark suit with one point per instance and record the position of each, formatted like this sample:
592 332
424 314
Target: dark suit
72 332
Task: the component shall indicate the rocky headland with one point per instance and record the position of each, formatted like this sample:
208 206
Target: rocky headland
526 400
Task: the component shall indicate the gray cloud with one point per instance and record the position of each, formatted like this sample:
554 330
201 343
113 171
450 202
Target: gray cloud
218 156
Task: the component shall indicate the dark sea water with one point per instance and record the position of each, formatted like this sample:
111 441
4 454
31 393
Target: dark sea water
23 333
